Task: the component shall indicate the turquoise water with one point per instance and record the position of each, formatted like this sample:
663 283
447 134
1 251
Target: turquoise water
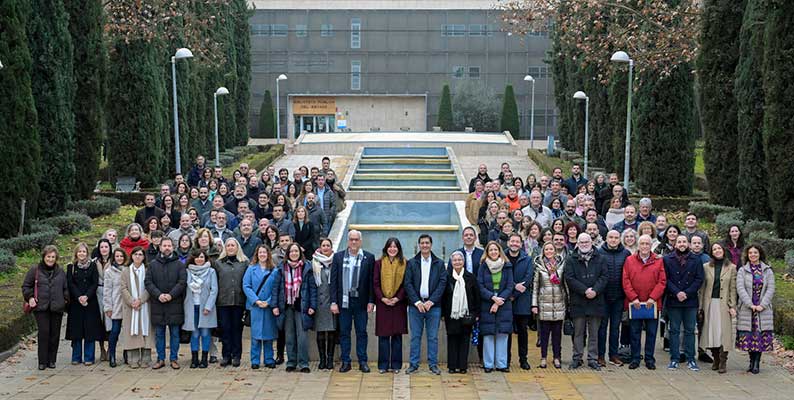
450 183
391 163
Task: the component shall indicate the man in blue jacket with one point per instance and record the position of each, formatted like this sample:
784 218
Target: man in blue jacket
471 252
684 272
425 281
523 270
352 298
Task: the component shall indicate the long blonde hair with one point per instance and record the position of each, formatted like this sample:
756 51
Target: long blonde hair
240 256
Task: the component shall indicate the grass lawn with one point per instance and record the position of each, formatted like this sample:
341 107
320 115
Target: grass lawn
258 161
700 168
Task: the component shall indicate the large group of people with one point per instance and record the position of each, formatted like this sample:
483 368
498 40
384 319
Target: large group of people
561 256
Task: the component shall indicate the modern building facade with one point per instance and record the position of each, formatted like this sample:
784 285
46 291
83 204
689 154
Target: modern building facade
369 65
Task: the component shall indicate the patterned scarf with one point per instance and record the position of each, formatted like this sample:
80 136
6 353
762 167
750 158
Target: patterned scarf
319 262
293 279
391 276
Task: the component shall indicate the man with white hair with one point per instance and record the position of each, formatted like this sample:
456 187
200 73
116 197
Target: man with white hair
585 272
645 213
537 211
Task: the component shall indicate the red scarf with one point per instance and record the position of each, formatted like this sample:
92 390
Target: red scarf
293 277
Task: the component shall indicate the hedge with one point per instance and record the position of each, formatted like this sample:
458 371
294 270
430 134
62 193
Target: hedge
547 163
68 223
7 261
99 206
774 246
755 225
13 322
35 240
707 211
725 220
790 262
784 316
273 152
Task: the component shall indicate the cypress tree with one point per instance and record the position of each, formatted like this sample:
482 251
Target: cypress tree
617 93
752 178
664 157
53 91
716 65
267 118
600 123
19 134
510 121
242 43
445 110
778 122
86 21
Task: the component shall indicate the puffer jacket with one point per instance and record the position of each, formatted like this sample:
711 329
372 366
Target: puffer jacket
744 288
615 259
548 297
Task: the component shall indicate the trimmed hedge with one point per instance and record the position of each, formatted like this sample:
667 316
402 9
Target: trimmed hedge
707 211
13 322
7 261
99 206
755 225
725 220
547 163
35 240
273 152
784 316
790 262
774 246
68 223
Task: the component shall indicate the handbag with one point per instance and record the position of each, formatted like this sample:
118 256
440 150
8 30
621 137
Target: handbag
567 325
468 319
247 313
26 307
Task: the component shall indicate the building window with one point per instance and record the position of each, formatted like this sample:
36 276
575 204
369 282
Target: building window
327 30
355 75
355 33
480 30
260 30
453 30
459 72
474 72
279 30
301 31
538 71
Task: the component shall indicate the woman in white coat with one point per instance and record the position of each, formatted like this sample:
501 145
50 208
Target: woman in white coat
112 301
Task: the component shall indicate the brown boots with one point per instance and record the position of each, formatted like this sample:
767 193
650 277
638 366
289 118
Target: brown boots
720 360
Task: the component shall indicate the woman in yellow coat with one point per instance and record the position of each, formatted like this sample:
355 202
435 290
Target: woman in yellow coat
718 306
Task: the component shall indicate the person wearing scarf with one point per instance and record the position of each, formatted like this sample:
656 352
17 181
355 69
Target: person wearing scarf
299 304
137 334
133 238
102 260
84 325
200 310
391 320
112 302
461 309
496 284
324 321
718 304
548 302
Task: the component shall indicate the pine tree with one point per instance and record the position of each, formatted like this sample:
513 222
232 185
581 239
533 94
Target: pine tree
267 118
53 91
445 110
242 43
86 22
510 121
664 157
716 65
752 177
19 135
778 102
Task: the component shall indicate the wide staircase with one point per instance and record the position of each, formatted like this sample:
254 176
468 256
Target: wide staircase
401 169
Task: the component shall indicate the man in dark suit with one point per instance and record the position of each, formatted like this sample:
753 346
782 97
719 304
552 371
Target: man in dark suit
472 254
425 281
352 297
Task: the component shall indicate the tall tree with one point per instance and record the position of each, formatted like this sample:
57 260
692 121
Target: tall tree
752 181
778 121
242 43
267 118
476 106
86 23
445 110
716 65
19 134
510 121
53 91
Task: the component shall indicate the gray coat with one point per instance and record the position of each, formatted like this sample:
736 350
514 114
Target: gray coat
208 294
111 298
744 288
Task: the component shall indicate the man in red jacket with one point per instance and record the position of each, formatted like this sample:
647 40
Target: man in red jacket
644 282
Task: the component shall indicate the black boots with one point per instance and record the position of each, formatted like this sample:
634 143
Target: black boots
204 362
716 353
755 362
194 360
321 350
330 346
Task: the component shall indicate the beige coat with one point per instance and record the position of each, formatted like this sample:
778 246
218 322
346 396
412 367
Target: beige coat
111 298
129 342
473 205
727 300
550 299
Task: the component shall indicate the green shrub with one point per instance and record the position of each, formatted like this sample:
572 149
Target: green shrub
774 246
273 152
707 211
69 222
784 316
725 220
35 240
7 261
97 207
755 225
790 262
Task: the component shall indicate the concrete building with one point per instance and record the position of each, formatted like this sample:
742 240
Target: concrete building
369 65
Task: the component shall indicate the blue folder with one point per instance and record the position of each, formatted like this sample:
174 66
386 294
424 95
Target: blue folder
644 312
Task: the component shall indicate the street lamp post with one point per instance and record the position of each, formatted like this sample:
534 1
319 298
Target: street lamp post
180 54
622 57
220 92
281 77
580 95
529 78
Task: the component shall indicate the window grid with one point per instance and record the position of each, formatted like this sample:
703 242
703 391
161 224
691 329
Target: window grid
260 29
355 75
459 72
301 31
453 30
355 33
327 30
474 72
279 30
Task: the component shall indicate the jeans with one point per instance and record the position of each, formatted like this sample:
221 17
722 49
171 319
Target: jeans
297 341
418 321
256 351
494 350
580 325
202 333
159 339
390 352
113 339
676 316
49 324
230 319
347 317
650 326
614 313
553 329
83 351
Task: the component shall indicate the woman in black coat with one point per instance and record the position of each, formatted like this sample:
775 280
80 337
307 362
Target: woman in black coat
46 292
307 235
459 327
84 325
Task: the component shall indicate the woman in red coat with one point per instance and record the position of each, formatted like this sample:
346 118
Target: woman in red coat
391 310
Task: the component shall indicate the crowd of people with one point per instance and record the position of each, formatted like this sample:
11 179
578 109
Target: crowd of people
208 256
